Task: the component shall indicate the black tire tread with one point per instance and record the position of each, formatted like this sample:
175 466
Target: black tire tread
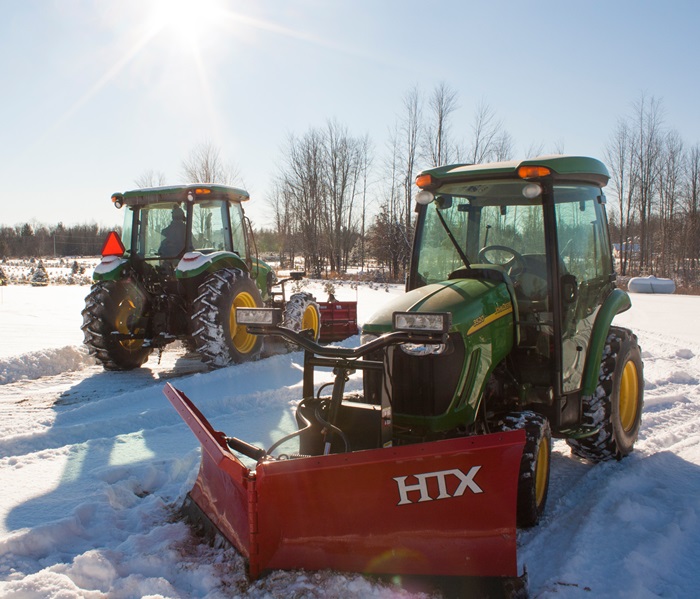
97 327
598 410
535 426
210 331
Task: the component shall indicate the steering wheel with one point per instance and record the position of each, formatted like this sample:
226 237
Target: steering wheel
515 265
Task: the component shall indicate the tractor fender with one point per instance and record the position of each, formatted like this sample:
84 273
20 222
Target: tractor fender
109 269
618 301
193 264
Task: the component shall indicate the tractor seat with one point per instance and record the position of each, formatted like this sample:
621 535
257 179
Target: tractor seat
531 287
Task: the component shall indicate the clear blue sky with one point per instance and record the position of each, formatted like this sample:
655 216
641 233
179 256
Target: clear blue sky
94 93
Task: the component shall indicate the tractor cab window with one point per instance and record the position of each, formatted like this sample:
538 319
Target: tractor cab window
161 230
237 229
127 228
489 223
210 226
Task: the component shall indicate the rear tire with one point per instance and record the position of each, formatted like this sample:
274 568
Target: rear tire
616 407
219 340
533 481
115 307
301 312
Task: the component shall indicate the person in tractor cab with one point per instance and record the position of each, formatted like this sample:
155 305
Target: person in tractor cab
174 234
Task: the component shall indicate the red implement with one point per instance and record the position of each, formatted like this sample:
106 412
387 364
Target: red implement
444 508
338 320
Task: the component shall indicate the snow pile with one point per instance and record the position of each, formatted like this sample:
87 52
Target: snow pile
48 362
94 466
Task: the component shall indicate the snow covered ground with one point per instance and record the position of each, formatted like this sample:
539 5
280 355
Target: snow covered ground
94 466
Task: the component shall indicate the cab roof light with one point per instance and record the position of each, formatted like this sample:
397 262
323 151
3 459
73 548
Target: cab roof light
533 172
197 191
424 181
118 200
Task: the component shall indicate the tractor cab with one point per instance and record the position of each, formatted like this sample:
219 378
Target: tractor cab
540 226
165 223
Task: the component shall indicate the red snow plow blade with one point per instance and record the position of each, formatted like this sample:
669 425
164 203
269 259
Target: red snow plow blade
443 508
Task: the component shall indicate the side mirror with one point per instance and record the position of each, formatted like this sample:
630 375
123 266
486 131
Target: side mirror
569 289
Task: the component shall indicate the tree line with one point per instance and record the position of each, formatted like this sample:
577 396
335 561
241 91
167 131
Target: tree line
655 184
34 239
337 200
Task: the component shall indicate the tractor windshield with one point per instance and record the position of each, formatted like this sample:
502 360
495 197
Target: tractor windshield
163 231
490 221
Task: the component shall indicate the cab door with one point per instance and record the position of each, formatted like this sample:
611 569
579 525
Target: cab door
585 268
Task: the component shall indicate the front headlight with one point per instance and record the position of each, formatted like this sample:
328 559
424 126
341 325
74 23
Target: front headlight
258 316
422 322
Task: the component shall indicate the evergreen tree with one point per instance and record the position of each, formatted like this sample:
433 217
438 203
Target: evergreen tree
40 278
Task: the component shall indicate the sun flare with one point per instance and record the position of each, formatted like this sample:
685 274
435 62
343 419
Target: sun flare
187 19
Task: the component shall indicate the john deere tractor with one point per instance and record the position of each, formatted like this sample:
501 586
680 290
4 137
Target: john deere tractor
518 254
185 261
506 325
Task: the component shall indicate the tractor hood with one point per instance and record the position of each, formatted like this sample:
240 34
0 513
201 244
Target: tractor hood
473 303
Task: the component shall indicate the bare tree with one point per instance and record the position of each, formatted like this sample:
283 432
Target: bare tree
691 194
558 147
410 133
618 155
437 146
486 129
647 122
670 174
534 149
364 166
150 178
205 165
502 147
342 171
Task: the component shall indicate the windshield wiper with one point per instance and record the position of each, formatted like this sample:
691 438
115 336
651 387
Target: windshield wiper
460 251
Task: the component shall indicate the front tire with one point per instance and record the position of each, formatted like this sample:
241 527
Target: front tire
115 307
616 407
301 313
219 340
533 481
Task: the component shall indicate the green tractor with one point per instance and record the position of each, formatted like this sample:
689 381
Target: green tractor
503 340
185 261
519 254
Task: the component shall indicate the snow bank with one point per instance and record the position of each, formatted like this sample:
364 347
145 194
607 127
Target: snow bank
48 362
37 318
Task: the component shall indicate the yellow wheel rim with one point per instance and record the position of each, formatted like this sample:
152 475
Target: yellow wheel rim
310 320
542 468
126 312
629 396
243 341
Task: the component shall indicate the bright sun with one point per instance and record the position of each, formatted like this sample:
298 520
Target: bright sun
187 19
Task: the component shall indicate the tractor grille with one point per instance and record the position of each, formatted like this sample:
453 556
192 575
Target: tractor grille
419 385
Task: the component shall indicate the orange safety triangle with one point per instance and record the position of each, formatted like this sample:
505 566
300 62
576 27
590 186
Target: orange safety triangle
113 245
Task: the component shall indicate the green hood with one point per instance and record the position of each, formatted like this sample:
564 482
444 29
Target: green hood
473 303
